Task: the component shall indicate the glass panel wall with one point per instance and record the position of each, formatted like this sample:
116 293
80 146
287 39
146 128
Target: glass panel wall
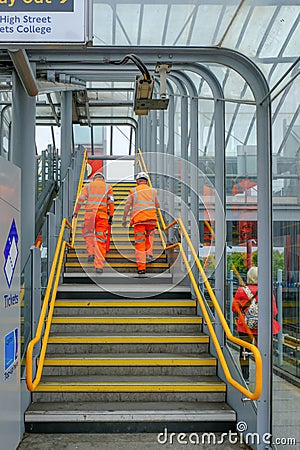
286 261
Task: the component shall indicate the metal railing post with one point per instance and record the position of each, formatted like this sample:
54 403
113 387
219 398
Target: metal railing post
65 197
35 254
51 239
71 187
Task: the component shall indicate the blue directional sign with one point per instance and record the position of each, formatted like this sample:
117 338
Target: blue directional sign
11 253
11 348
37 6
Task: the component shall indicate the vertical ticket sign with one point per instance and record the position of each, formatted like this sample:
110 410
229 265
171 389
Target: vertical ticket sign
10 384
45 21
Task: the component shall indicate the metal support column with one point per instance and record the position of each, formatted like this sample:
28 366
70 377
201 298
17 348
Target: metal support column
184 149
170 169
264 222
2 119
144 134
161 160
220 208
51 239
66 132
220 197
153 148
35 292
192 170
147 150
23 155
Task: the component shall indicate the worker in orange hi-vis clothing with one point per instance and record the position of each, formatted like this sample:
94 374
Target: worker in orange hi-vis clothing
99 210
142 201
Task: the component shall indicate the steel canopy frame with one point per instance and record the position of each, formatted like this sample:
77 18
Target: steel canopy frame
94 64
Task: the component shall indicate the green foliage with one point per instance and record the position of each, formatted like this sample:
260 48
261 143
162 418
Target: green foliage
239 260
278 262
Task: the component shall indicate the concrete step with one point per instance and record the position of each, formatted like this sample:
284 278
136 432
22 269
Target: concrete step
118 247
79 240
116 225
129 417
111 339
122 265
138 364
118 214
116 222
108 291
125 324
116 260
111 277
123 307
118 254
116 231
96 342
134 388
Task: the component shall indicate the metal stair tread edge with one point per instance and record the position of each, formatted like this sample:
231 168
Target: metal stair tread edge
65 412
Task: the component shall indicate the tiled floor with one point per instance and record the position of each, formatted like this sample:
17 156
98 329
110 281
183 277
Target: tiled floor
286 412
286 426
113 442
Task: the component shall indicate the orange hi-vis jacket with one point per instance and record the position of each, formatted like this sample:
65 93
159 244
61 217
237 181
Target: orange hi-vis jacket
98 198
143 200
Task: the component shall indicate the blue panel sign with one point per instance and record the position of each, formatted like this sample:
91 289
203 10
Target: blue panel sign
12 6
11 348
11 253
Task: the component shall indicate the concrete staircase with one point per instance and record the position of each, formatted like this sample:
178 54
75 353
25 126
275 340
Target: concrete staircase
126 354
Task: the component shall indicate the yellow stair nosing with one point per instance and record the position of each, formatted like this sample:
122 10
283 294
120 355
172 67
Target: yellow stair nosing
127 320
132 387
135 303
110 361
124 264
156 250
126 339
116 238
108 255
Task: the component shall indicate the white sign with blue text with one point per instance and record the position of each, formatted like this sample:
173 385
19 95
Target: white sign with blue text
43 21
10 286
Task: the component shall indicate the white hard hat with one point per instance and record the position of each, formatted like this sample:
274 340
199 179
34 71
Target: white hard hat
98 175
141 175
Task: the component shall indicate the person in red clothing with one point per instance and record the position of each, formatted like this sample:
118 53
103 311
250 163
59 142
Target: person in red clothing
142 201
240 306
99 211
244 186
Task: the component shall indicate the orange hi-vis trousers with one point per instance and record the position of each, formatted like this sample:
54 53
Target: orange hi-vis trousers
88 231
101 228
143 240
94 232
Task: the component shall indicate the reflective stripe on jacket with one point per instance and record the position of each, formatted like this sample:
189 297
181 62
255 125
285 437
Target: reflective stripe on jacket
98 198
143 206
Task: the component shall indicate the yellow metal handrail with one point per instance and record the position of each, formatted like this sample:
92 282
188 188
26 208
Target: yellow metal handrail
46 311
144 169
51 290
257 356
80 183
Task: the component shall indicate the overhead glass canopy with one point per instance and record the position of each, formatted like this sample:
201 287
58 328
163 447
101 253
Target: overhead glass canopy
266 31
